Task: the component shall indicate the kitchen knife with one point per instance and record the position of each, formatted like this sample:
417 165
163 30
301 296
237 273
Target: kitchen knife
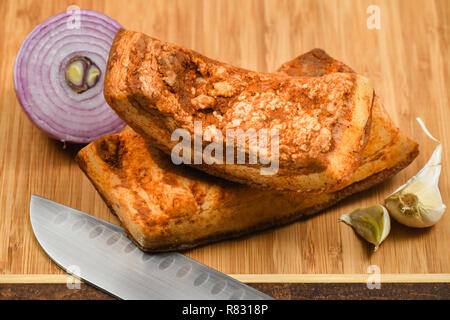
109 260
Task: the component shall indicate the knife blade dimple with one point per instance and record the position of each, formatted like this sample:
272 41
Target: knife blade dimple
60 218
130 247
78 225
166 263
184 270
96 232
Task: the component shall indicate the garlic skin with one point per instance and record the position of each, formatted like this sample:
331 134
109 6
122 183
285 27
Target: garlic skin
418 203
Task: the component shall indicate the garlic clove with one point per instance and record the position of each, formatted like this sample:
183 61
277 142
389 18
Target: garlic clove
372 223
418 203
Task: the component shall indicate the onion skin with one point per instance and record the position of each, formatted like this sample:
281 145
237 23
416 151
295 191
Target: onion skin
39 77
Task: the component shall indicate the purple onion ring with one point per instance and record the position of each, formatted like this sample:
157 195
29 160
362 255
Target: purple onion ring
39 78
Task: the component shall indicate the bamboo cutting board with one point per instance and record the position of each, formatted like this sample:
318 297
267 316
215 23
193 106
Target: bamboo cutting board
406 59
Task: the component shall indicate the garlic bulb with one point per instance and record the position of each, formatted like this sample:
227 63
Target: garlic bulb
372 223
418 203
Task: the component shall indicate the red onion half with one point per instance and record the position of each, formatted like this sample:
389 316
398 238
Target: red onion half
40 76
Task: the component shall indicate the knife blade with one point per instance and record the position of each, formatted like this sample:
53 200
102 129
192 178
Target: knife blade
109 260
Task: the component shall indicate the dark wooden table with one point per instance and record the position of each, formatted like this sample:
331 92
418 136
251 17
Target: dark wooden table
319 291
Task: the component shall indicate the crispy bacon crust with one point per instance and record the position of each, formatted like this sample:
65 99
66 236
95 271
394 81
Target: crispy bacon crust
165 207
323 122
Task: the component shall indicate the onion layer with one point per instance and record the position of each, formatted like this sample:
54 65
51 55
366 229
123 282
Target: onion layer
40 78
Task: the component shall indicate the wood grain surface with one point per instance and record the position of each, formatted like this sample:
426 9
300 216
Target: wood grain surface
406 60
